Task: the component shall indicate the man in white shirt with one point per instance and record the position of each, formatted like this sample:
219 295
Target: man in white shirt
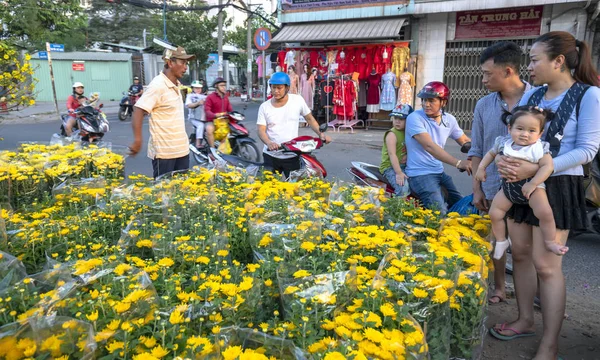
278 120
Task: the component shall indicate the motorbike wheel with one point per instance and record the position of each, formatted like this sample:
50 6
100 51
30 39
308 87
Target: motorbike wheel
248 151
123 112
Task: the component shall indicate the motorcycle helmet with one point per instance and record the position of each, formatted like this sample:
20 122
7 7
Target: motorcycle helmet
197 84
280 78
435 89
136 78
402 111
77 84
218 81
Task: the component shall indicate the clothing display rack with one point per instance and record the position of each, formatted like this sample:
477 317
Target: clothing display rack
344 123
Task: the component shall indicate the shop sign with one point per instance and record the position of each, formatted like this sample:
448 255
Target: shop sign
303 4
78 66
499 23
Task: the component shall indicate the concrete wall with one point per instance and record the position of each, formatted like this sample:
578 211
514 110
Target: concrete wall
109 78
432 31
569 17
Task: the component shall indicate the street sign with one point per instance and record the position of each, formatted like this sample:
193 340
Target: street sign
57 47
262 38
43 55
78 66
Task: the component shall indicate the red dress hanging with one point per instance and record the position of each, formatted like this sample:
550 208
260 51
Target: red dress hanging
344 97
314 59
362 63
373 83
281 60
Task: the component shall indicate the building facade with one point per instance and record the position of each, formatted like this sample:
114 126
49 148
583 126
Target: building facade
445 37
106 73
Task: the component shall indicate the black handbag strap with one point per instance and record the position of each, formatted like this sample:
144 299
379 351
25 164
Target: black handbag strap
563 113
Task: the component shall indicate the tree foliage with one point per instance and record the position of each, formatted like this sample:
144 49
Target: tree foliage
120 22
196 32
31 23
238 37
16 83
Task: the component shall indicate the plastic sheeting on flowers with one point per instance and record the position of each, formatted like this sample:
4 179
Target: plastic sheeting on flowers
468 305
268 345
48 337
149 235
320 290
12 270
425 296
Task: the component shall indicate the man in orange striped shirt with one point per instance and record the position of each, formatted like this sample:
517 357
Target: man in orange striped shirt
168 144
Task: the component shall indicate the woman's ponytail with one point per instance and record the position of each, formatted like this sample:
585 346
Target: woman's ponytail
585 71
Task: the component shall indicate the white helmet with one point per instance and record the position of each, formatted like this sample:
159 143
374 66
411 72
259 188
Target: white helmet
197 84
77 84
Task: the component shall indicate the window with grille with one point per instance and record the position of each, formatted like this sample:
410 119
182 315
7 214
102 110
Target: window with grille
462 74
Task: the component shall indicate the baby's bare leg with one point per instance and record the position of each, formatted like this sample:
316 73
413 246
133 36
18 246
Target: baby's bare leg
500 205
538 202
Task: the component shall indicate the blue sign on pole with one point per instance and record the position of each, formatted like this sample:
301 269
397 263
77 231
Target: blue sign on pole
57 47
43 55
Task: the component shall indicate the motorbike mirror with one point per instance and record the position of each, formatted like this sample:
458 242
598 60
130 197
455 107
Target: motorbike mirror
323 127
100 106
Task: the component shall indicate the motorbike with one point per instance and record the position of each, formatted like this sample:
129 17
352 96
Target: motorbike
242 145
301 146
91 123
126 105
369 175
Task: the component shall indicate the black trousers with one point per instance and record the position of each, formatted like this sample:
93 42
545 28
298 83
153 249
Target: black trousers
163 166
281 165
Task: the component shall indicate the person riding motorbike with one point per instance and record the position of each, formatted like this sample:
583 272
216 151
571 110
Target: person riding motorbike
136 89
278 120
74 101
195 103
427 130
215 105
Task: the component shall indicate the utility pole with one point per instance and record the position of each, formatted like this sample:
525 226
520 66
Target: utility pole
220 38
165 20
249 52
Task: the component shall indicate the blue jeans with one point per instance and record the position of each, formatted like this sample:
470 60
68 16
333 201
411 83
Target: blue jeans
428 188
390 175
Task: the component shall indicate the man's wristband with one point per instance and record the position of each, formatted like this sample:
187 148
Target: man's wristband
458 163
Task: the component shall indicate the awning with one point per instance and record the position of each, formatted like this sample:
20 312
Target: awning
342 30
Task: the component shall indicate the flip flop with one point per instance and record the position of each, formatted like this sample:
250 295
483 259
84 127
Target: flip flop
500 300
516 334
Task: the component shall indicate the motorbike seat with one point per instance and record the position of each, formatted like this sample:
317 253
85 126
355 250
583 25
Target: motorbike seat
369 170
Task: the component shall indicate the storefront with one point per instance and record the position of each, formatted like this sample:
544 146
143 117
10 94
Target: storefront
470 32
349 72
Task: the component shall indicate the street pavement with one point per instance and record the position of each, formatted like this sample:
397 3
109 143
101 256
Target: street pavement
40 122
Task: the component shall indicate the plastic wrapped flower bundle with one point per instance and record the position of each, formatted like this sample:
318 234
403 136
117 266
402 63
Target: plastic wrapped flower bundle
30 172
221 264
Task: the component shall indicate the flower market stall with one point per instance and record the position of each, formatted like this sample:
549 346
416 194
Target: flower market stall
221 264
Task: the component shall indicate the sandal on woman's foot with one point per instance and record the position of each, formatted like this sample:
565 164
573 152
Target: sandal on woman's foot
496 299
516 334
